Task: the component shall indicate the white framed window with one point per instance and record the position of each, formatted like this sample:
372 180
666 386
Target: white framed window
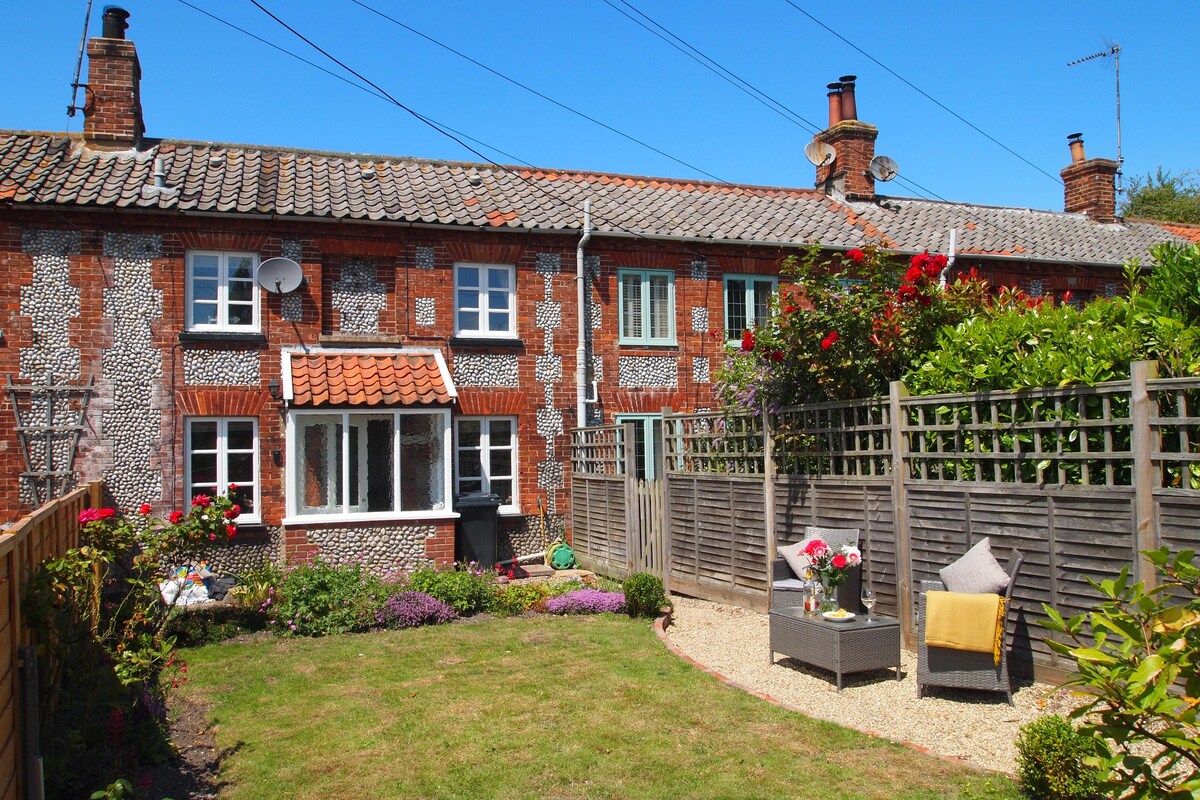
485 300
379 464
646 305
485 458
222 294
223 451
747 302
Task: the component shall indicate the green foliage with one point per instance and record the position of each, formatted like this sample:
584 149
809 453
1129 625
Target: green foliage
468 590
1050 764
517 598
213 622
255 587
321 599
1165 197
644 595
1136 656
844 328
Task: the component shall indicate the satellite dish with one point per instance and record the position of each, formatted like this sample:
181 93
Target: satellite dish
820 154
883 168
280 275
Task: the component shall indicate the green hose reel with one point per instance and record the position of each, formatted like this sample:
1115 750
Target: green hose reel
561 556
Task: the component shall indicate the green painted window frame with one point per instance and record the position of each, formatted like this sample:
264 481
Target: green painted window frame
749 299
645 279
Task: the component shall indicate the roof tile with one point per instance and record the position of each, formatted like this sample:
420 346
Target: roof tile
368 379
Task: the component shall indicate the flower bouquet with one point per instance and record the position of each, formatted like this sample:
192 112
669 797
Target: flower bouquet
831 566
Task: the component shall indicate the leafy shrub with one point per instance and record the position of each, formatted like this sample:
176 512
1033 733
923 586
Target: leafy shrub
1137 657
413 609
517 598
466 589
644 595
586 601
213 622
255 587
320 599
1050 765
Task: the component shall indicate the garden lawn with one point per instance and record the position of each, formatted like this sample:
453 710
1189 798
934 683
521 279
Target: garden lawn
534 707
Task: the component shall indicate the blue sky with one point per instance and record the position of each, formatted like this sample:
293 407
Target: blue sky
1001 66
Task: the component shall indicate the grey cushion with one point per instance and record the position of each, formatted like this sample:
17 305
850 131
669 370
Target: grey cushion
977 572
793 554
790 583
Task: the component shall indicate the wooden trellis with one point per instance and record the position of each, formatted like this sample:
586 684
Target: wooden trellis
49 416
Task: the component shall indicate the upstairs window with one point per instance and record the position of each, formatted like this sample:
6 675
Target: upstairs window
747 303
647 306
222 294
485 300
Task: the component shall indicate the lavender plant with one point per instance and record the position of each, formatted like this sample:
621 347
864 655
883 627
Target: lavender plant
413 609
586 601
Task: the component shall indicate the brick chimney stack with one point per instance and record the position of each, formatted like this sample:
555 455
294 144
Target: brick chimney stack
113 111
853 143
1089 185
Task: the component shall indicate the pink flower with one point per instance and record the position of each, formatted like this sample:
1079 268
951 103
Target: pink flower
144 509
95 515
816 548
839 561
176 517
747 341
856 255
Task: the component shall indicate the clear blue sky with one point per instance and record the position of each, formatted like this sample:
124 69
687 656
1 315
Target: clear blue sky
1000 65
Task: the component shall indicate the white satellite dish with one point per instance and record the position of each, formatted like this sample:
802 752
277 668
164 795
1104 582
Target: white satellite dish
883 168
820 154
280 275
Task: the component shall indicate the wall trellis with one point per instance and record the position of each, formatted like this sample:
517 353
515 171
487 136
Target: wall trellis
49 419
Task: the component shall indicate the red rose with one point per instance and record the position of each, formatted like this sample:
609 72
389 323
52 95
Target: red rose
941 261
856 255
104 513
176 517
233 512
907 292
201 501
777 356
748 342
839 561
919 260
231 530
144 509
233 487
833 337
913 274
790 309
932 269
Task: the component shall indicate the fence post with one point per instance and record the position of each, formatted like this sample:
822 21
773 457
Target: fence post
662 466
769 498
633 517
1146 535
897 391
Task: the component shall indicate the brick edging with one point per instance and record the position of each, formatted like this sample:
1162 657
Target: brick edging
660 630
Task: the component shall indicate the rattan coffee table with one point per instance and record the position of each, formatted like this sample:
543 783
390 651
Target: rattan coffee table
840 647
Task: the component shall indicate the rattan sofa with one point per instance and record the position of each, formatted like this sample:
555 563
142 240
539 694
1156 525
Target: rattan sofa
786 590
940 666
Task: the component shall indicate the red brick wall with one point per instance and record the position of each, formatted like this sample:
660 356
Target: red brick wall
1089 188
113 109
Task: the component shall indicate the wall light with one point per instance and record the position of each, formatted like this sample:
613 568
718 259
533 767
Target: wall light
273 388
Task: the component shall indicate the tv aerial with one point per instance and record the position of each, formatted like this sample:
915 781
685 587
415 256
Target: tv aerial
1113 50
820 154
280 275
883 168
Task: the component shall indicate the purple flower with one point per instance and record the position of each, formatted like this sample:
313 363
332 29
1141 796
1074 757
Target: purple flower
586 601
412 609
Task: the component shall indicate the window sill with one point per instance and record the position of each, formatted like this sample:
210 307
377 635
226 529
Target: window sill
649 345
231 337
405 516
487 341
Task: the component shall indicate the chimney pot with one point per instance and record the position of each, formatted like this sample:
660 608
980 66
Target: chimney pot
1075 140
114 22
849 107
835 103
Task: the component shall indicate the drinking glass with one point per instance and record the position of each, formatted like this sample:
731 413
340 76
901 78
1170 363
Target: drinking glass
868 600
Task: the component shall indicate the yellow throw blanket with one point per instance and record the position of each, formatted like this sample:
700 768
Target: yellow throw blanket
971 622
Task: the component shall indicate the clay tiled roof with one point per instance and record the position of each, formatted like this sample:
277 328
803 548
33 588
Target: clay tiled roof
1189 232
40 168
369 379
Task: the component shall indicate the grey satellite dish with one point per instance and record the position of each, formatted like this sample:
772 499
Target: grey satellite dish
280 275
820 154
883 168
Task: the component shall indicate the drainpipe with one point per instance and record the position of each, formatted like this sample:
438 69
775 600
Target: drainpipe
581 416
949 258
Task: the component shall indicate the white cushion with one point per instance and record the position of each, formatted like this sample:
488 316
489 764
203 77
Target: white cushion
977 572
793 554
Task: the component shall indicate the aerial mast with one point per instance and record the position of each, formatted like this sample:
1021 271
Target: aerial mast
1114 50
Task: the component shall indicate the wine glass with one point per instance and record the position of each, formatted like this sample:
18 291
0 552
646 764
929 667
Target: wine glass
868 600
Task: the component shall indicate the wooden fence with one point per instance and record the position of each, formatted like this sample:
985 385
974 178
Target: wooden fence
1079 479
48 532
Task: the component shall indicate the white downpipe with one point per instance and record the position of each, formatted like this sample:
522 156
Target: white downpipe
581 400
949 258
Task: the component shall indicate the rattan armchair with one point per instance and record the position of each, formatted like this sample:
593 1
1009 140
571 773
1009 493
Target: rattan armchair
786 589
940 666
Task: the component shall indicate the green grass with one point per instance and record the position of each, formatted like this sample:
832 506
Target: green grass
539 707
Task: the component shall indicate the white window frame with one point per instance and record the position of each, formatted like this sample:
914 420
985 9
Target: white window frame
643 299
222 300
749 296
485 450
222 453
483 294
296 516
